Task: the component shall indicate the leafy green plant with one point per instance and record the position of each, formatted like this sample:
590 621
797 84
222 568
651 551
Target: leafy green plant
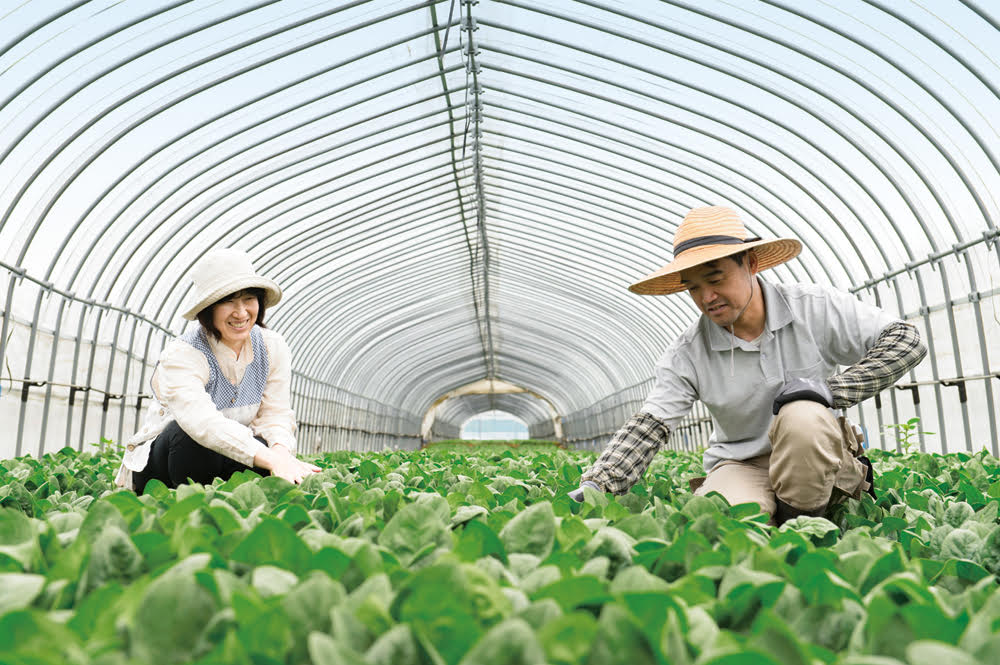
907 434
460 555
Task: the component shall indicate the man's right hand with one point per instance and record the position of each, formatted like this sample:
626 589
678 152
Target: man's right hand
577 494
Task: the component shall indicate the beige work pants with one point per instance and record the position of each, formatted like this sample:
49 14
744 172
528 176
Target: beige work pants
813 462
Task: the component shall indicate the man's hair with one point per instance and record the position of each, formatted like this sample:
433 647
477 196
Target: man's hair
739 257
205 315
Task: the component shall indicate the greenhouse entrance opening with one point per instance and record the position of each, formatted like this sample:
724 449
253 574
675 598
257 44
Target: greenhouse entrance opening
494 426
451 416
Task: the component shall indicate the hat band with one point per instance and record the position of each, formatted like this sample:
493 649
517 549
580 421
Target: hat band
710 240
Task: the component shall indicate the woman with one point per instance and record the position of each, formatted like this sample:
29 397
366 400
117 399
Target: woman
222 398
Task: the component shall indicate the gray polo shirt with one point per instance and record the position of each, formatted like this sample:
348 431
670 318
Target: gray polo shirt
809 330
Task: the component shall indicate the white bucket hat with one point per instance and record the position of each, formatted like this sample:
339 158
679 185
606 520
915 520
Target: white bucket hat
221 272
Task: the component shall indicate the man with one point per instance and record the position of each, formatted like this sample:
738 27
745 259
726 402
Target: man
763 358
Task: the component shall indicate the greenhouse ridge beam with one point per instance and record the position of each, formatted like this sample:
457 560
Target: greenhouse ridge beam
473 108
474 128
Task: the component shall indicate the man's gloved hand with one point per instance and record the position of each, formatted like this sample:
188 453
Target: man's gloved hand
577 494
808 389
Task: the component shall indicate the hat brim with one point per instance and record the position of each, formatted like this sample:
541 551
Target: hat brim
272 294
667 279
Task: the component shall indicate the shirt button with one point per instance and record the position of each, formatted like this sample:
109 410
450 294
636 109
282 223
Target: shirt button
130 446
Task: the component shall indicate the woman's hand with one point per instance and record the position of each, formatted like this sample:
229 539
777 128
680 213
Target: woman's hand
283 464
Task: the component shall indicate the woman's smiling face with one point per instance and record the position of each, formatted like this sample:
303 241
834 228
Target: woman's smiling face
234 317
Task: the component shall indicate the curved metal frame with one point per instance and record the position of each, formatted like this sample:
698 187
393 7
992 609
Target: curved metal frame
476 207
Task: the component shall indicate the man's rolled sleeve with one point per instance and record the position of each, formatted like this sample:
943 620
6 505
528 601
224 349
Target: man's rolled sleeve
628 454
897 350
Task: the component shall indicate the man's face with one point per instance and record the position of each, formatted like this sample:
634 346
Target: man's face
720 289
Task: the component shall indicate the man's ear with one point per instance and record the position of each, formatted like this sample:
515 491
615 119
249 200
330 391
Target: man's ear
752 262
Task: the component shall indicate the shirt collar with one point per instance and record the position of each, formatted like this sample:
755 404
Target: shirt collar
222 351
777 315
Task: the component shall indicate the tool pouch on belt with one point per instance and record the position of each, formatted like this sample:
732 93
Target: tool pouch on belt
855 475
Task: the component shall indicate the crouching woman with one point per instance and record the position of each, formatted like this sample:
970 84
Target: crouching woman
221 392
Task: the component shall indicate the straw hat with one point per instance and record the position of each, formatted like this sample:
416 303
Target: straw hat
707 234
221 272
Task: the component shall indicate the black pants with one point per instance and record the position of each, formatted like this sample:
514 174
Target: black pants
174 457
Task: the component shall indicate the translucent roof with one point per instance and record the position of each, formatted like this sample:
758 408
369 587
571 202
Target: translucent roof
454 191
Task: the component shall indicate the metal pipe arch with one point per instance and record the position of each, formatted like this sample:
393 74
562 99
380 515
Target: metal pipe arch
832 191
407 202
742 56
341 279
930 136
650 137
634 159
232 229
41 24
136 93
149 209
190 218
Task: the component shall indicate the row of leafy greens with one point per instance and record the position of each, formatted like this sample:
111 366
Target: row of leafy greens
461 555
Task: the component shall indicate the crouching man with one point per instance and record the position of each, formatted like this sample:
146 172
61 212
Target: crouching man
763 358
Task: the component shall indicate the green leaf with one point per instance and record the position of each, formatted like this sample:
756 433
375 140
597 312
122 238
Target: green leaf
477 540
415 527
18 539
772 636
957 513
509 643
451 621
961 544
18 590
613 544
272 581
267 636
95 619
532 531
745 657
325 650
641 526
308 605
822 532
37 639
395 647
620 641
368 470
274 542
175 610
467 513
928 652
637 579
573 592
567 639
113 556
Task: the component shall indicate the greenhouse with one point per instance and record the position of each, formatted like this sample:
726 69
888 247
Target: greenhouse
455 197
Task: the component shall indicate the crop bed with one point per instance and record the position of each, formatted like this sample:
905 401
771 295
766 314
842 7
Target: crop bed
475 555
